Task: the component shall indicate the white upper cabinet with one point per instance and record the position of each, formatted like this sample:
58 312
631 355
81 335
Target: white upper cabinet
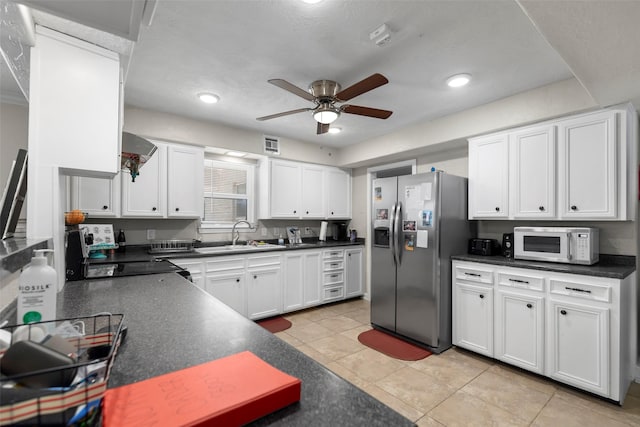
313 191
99 197
577 168
338 194
285 189
588 156
185 174
303 191
489 177
147 196
533 152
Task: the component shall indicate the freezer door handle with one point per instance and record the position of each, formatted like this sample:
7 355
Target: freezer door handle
392 232
397 222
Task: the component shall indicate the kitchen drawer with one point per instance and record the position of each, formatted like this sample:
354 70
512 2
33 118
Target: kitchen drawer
333 293
587 291
330 278
333 265
224 264
534 283
262 260
333 254
473 274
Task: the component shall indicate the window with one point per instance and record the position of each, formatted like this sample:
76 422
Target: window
228 193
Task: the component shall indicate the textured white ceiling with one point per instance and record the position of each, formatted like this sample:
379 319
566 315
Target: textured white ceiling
233 47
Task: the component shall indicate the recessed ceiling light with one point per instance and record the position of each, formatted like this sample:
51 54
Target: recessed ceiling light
235 154
459 80
311 1
335 130
208 98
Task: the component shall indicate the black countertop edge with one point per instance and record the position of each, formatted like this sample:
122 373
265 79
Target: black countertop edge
16 253
141 252
610 266
172 325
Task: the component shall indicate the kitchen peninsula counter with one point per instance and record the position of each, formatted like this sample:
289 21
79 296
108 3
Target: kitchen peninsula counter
172 325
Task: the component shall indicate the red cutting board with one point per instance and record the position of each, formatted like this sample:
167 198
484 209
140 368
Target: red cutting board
230 391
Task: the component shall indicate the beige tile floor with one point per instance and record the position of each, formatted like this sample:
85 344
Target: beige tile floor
455 388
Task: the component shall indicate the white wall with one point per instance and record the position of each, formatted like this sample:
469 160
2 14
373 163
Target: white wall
154 124
14 134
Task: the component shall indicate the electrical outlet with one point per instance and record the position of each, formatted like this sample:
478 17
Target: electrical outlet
151 234
307 230
264 232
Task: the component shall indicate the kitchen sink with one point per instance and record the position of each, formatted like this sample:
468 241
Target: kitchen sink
237 248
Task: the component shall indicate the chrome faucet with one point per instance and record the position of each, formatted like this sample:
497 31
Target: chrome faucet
234 239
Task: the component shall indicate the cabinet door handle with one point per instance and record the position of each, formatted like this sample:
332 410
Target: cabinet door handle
177 209
574 208
295 211
481 296
154 209
307 212
105 207
529 306
586 291
331 212
237 280
497 209
563 312
255 277
519 281
473 274
349 254
541 208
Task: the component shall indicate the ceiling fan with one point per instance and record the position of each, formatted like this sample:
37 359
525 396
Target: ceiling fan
325 94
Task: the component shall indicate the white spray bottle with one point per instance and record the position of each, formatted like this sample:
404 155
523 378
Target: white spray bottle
37 290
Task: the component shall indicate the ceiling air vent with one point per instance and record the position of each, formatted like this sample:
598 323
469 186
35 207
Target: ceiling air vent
271 145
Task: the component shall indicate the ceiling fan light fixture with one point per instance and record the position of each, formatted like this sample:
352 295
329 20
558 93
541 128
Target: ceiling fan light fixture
459 80
326 114
208 98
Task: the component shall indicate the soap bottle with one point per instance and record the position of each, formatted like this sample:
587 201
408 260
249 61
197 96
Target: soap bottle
37 290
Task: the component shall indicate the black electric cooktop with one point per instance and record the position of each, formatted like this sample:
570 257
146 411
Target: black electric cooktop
134 268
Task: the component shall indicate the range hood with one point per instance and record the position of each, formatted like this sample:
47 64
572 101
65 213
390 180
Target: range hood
135 152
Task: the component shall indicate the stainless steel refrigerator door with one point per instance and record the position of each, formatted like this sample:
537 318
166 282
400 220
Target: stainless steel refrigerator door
383 268
418 285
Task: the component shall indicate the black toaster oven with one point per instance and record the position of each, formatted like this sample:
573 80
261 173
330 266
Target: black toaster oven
485 247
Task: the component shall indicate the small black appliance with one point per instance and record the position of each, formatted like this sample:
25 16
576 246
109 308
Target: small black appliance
485 247
340 231
507 245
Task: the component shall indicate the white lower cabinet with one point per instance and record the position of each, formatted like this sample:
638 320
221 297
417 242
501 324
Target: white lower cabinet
301 279
474 318
225 280
194 267
354 272
576 329
264 286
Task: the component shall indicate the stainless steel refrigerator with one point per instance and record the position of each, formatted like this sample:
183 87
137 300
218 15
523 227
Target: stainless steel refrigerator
418 222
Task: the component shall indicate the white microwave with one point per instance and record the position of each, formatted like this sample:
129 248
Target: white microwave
571 245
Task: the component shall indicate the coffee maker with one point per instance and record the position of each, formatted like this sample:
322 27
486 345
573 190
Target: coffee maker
76 253
340 231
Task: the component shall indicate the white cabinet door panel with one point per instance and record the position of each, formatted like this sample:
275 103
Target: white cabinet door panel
488 177
99 197
147 195
285 190
228 288
185 181
474 318
313 192
264 296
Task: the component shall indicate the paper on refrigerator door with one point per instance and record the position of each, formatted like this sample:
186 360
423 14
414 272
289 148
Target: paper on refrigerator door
423 239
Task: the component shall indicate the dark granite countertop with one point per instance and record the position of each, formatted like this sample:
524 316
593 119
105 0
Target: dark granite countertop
173 325
611 266
141 252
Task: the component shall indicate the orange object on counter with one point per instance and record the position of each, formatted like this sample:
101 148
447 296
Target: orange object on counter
74 217
230 391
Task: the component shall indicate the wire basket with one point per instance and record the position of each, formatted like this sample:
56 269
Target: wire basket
171 246
95 340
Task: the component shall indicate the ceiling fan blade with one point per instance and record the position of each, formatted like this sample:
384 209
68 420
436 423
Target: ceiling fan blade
322 128
285 113
283 84
370 83
366 111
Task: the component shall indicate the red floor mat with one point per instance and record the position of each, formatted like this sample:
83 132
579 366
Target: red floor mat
392 346
275 324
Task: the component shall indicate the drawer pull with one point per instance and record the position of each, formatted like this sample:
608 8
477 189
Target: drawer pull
519 281
586 291
529 306
563 312
334 290
481 296
473 274
334 265
334 276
